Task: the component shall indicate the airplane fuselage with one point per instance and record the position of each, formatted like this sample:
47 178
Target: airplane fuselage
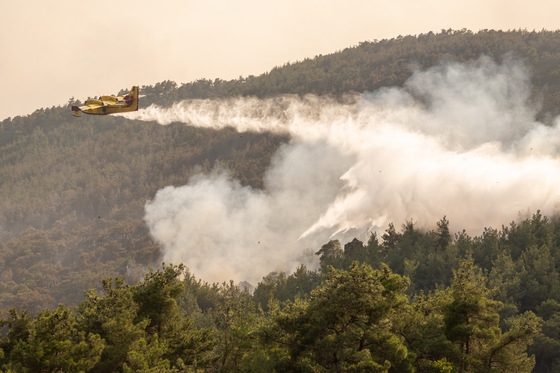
109 104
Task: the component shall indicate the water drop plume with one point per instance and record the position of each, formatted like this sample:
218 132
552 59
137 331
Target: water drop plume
459 140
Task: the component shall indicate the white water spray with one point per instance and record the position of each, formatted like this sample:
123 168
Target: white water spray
459 140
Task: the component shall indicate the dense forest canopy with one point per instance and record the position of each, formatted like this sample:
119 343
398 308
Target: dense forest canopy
72 198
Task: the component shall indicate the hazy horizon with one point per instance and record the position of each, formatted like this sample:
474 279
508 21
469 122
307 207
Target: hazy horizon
58 50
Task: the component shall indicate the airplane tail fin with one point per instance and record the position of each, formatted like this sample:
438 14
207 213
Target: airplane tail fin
131 99
76 111
135 96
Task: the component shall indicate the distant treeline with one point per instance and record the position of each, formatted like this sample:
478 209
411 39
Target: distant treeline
389 62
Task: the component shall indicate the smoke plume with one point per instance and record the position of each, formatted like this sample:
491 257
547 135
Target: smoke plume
459 140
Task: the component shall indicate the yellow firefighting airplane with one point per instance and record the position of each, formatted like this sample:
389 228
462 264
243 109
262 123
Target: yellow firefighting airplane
109 104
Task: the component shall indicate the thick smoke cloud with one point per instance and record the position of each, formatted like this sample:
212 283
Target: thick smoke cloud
223 230
459 140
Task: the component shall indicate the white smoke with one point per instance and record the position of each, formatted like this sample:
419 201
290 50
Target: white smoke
222 230
459 140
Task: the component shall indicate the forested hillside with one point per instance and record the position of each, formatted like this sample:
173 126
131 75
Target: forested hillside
72 196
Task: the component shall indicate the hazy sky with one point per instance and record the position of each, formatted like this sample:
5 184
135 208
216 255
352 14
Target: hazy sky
55 50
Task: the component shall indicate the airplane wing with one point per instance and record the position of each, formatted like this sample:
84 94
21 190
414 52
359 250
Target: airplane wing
76 109
90 107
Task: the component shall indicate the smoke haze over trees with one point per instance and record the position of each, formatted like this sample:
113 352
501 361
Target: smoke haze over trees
439 152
